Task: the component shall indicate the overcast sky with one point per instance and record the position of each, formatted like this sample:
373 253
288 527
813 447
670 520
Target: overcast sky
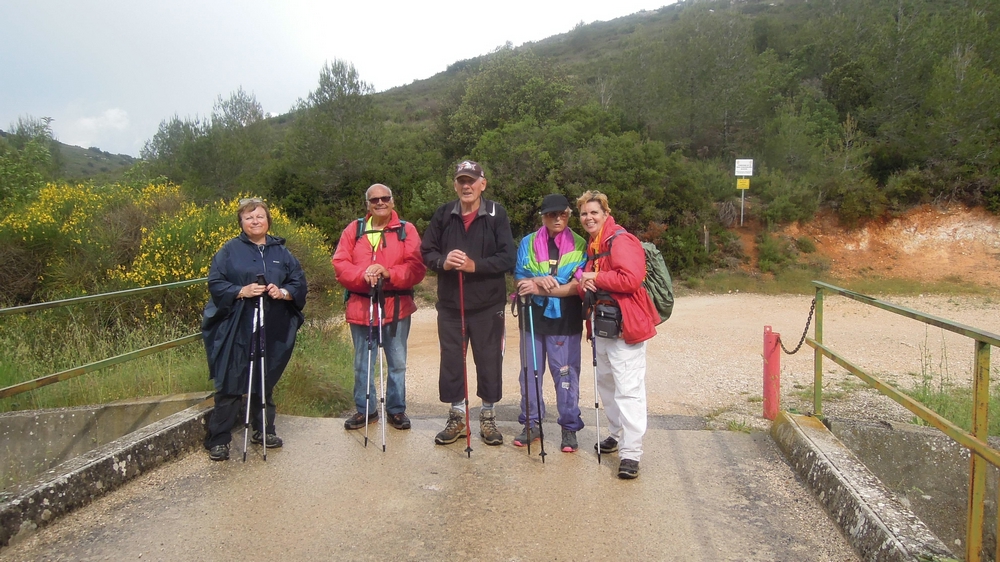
109 71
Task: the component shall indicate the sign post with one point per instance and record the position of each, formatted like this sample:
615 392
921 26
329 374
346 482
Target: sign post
744 169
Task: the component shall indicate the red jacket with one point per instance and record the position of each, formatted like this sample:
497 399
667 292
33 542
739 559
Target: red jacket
621 273
406 269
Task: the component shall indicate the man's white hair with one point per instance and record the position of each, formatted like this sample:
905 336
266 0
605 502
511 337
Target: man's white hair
373 186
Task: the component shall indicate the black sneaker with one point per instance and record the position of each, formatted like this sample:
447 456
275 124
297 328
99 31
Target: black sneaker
526 436
609 445
628 469
569 442
273 441
219 452
399 421
357 421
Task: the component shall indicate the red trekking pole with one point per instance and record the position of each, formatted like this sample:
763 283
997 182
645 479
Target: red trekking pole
465 367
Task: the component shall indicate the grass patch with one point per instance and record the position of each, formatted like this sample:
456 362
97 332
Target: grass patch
317 381
938 392
797 280
740 426
909 287
792 280
953 403
804 392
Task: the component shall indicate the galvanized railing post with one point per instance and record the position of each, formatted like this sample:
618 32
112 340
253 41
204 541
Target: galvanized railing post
975 440
818 355
77 371
977 464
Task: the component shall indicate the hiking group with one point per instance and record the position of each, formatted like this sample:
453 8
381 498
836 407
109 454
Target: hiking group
563 281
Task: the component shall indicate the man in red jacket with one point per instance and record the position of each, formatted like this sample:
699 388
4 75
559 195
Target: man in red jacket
615 267
379 247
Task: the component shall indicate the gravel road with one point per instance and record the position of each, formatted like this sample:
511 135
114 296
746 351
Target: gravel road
703 495
707 359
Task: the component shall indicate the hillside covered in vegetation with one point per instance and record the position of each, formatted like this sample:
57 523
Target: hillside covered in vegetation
862 107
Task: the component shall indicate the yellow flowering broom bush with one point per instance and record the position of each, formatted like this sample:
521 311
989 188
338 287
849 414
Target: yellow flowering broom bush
84 239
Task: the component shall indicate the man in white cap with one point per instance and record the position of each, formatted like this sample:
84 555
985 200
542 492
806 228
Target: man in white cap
469 244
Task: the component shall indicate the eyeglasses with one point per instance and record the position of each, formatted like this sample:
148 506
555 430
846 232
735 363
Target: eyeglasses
383 199
556 215
250 200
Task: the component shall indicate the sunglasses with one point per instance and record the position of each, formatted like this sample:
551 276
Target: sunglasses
384 199
556 214
251 200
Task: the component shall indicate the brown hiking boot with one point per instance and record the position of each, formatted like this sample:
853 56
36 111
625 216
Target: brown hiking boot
488 428
454 430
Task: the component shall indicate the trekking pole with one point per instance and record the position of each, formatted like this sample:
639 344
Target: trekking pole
256 352
262 348
253 362
524 370
368 369
380 299
465 367
593 347
538 389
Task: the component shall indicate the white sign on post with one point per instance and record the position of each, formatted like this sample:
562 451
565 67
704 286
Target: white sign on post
744 167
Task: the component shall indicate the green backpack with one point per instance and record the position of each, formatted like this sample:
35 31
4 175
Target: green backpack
657 281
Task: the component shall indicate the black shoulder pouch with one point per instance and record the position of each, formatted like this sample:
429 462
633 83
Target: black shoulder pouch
607 320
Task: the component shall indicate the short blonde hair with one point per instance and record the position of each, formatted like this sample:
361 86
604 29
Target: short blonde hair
250 204
589 196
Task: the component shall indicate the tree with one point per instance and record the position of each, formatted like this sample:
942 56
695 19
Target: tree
26 159
21 171
240 142
334 147
511 85
179 151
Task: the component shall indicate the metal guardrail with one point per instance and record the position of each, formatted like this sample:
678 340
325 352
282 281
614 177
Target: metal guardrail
975 442
104 363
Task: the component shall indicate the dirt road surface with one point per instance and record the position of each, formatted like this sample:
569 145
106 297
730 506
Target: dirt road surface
701 495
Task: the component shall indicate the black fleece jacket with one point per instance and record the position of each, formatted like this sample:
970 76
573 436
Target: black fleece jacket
488 242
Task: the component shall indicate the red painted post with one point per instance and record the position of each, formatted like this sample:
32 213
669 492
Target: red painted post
772 368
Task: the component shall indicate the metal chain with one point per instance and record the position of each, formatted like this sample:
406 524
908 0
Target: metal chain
812 308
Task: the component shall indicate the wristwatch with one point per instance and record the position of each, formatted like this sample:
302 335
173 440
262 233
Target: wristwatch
284 293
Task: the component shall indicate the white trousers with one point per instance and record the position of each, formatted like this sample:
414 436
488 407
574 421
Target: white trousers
621 382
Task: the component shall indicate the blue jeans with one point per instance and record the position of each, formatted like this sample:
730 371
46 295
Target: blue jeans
395 360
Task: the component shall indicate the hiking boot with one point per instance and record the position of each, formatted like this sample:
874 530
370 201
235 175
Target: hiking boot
609 445
272 441
488 428
219 452
628 469
454 430
526 436
569 443
399 421
357 421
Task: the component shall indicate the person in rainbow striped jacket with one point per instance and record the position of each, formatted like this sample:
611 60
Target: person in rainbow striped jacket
549 264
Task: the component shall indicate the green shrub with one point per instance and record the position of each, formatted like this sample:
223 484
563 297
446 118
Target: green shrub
859 199
805 245
773 254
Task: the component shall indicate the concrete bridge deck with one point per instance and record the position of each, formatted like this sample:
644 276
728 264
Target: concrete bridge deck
701 495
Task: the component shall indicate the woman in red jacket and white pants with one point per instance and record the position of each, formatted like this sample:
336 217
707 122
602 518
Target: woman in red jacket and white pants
618 267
